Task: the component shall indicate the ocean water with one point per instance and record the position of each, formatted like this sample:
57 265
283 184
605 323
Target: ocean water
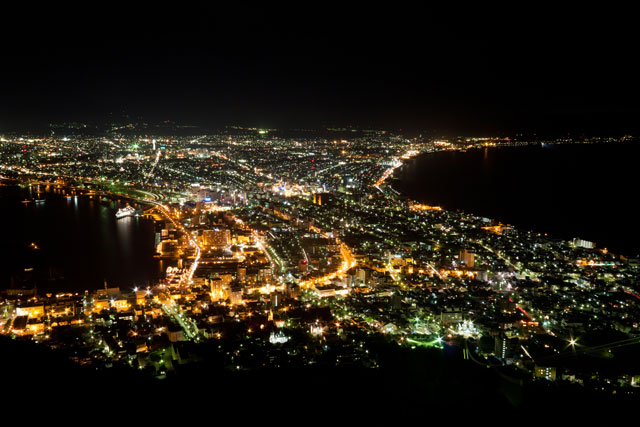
569 190
80 244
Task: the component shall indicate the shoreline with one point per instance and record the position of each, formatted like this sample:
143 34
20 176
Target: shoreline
395 179
58 279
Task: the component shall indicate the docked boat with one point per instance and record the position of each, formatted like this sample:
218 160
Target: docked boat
128 211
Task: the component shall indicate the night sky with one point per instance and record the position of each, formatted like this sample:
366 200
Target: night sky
484 73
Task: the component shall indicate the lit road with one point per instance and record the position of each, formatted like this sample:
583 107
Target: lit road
188 325
264 246
180 227
347 262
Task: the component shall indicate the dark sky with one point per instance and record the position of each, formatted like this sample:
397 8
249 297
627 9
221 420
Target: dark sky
529 70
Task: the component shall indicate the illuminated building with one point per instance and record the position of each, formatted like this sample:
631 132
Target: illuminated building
278 338
217 238
99 305
141 297
121 304
265 274
467 258
31 311
546 372
235 294
579 243
219 285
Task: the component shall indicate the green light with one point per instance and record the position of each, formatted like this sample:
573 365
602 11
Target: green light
437 343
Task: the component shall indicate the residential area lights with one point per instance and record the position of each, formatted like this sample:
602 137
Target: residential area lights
293 250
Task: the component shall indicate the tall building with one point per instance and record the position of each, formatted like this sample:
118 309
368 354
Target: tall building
579 243
467 258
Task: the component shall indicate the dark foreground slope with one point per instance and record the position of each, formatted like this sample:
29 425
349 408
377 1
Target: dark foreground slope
407 385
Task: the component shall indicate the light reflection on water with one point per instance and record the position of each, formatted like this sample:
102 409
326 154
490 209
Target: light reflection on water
81 243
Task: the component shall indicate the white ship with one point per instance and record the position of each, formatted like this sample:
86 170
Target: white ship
128 211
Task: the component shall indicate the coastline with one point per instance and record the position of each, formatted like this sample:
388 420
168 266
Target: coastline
61 236
622 245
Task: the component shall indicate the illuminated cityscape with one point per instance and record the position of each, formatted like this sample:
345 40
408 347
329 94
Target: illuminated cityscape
265 262
255 256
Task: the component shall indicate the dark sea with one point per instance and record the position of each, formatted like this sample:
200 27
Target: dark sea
73 244
566 190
